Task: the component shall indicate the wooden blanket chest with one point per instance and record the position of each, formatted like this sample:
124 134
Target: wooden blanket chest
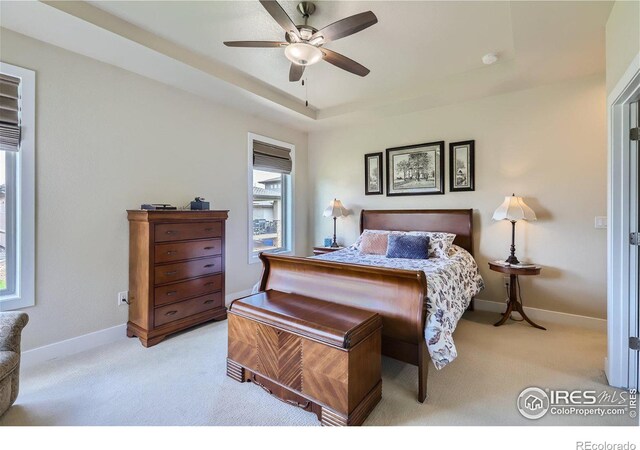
321 356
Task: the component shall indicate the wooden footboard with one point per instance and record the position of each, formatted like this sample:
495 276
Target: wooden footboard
399 296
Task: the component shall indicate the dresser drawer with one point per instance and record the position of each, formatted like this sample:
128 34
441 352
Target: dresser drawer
176 251
190 269
182 231
179 291
180 310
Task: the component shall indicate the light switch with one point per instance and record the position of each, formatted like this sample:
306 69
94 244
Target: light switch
601 222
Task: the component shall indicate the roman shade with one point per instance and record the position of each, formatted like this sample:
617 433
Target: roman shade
9 113
271 158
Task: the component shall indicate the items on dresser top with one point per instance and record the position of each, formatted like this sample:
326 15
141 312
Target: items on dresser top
157 206
198 204
176 271
321 356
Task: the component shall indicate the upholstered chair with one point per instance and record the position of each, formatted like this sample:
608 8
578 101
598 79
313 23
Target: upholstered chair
11 325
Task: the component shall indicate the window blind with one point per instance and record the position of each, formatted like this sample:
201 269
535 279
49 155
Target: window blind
271 158
9 113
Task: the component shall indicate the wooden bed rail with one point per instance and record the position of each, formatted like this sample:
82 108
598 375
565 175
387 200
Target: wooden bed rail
399 296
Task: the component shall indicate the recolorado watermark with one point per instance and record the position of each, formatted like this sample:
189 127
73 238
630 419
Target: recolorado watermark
534 403
589 445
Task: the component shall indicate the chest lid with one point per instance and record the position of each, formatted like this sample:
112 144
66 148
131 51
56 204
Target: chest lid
332 323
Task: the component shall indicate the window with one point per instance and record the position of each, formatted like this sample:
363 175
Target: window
17 187
270 199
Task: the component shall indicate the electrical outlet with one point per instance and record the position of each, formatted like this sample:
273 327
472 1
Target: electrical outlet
600 222
123 298
506 280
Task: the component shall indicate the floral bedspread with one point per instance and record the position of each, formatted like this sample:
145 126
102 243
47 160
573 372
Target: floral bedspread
451 284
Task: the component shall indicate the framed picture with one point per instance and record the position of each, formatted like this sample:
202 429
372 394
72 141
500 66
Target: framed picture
416 169
461 166
373 174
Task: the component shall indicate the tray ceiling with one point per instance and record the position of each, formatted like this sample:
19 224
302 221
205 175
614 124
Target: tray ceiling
421 54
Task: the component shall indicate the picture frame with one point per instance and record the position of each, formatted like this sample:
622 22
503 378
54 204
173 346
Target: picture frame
373 181
416 169
462 166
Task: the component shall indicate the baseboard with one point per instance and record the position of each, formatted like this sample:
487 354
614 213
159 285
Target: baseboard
88 341
542 316
74 345
234 295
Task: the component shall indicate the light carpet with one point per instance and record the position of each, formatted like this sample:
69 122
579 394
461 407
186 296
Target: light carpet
182 381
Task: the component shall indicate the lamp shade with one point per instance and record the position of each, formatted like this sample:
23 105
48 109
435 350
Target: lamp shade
335 209
514 208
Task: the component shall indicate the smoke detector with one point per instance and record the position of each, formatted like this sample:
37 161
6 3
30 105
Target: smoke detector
490 58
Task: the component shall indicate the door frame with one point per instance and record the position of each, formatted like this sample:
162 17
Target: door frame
622 316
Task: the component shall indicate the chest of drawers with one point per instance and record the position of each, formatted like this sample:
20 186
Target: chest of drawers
176 271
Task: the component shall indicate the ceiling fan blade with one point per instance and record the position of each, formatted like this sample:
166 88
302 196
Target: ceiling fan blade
343 62
280 16
255 44
346 27
295 72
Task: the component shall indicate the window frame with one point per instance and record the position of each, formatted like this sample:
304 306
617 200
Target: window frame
287 199
23 294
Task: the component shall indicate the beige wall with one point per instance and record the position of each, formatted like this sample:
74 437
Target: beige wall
546 144
623 39
108 140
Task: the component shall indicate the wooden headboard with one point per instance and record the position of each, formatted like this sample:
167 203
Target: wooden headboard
458 221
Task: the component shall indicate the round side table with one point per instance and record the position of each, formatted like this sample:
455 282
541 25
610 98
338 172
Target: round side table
514 304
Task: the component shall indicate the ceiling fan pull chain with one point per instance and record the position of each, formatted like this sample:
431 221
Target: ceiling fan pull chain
306 93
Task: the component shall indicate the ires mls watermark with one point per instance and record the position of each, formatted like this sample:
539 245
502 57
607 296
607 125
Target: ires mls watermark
534 402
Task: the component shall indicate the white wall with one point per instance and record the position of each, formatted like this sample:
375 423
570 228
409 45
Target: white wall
108 140
546 144
623 39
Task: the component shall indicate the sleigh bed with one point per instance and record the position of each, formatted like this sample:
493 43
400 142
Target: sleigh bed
398 295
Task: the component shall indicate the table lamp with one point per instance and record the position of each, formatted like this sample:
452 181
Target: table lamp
513 209
335 209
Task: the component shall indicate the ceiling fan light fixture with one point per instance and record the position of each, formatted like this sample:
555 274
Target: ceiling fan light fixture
303 54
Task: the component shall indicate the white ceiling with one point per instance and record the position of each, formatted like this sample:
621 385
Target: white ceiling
421 54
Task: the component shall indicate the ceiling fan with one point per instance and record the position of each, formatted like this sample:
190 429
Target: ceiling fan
304 44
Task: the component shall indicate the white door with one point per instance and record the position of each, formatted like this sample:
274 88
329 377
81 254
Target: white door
634 241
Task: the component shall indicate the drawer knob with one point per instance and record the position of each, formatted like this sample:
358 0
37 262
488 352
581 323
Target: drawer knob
206 302
173 272
170 293
170 313
210 283
170 232
172 252
209 248
209 265
208 229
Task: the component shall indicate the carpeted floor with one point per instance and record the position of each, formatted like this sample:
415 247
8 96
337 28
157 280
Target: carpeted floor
182 381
